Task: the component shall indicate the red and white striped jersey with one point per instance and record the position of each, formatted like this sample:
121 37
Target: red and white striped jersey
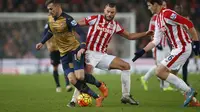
100 32
163 40
171 24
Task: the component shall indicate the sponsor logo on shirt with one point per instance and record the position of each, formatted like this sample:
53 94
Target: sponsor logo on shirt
107 30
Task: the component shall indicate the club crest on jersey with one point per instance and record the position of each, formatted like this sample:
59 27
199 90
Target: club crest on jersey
74 23
173 16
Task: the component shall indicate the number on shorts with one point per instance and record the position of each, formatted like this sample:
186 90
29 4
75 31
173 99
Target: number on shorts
170 57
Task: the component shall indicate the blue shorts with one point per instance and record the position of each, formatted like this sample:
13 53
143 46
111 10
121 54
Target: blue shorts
55 57
71 63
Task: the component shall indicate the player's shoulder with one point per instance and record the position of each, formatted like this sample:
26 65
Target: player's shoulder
50 17
91 17
168 11
65 15
153 18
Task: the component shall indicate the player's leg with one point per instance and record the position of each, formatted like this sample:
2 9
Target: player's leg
55 61
68 86
185 71
160 55
146 77
80 76
163 73
112 62
92 59
173 63
91 62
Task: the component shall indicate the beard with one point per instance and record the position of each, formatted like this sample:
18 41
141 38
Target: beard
108 19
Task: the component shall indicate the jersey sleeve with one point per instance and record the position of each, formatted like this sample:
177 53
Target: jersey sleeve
71 23
172 17
152 24
119 29
91 20
157 35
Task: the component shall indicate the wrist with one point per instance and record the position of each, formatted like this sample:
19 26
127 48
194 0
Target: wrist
83 45
144 50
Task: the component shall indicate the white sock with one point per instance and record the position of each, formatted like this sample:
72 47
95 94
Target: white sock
149 73
179 83
163 83
126 82
75 95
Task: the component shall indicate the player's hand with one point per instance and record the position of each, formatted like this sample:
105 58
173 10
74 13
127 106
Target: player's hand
196 47
39 46
80 52
149 33
159 47
138 54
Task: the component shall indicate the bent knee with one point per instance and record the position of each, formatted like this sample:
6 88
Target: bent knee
126 66
88 68
161 72
72 78
80 74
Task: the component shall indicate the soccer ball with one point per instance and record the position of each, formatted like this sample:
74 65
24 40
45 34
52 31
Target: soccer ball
84 100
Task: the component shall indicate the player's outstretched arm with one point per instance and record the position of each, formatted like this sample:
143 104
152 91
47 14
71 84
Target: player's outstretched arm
82 22
196 42
134 36
141 52
45 38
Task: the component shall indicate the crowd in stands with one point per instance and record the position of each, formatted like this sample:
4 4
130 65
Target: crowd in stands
15 35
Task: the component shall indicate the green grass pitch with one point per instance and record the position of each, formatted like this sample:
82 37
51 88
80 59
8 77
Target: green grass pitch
36 93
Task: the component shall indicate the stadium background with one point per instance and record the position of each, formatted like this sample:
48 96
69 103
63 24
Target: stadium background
18 39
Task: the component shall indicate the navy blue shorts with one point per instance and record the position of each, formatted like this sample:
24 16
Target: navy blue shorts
70 61
55 58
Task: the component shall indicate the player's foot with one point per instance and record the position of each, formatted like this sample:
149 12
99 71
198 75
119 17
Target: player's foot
169 88
58 89
103 89
144 83
194 104
99 101
130 100
189 96
69 88
71 104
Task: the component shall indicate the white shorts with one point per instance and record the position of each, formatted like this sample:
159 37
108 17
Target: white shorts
159 55
98 59
177 57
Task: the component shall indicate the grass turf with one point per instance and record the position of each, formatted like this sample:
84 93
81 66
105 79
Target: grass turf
36 93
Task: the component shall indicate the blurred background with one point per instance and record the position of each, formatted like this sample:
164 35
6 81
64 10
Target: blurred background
18 35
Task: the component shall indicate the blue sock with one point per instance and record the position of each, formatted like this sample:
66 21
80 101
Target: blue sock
89 78
56 78
66 80
83 87
185 71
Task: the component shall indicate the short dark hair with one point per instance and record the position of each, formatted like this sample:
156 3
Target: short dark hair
52 1
112 5
159 2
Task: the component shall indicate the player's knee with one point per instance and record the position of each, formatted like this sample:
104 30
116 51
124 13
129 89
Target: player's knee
72 78
88 69
161 72
126 66
80 74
